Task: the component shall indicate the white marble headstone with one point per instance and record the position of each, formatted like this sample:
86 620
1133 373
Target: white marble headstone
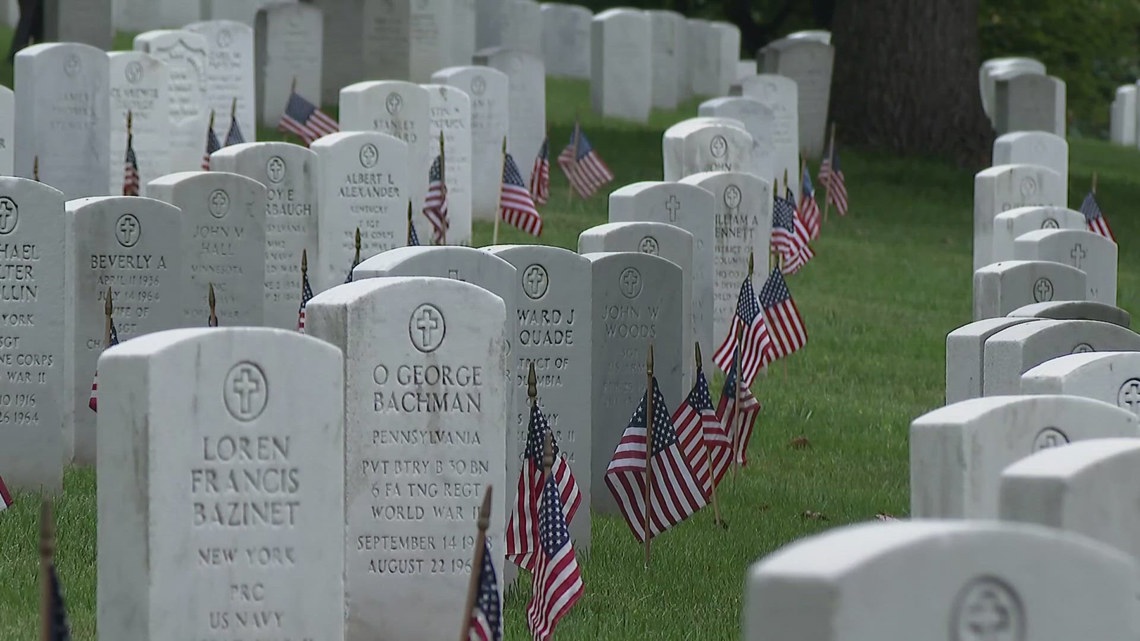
138 87
669 45
1007 187
7 130
1112 377
1087 251
85 21
223 243
461 26
490 122
229 72
742 211
687 207
781 96
288 38
527 103
1000 288
808 62
566 40
723 41
289 174
1122 120
185 56
410 43
62 117
221 486
363 185
1074 310
1029 102
707 144
965 349
425 437
33 356
1035 148
702 71
992 66
978 580
957 452
351 36
450 112
1009 225
522 26
132 246
244 11
760 122
1008 354
621 65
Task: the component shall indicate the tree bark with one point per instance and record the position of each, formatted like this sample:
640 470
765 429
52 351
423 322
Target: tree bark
906 78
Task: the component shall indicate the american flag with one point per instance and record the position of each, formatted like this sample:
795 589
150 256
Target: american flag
835 182
540 175
737 410
5 497
787 326
306 294
93 402
1094 217
435 205
487 615
233 136
699 430
58 628
212 145
583 166
130 170
809 207
557 582
676 492
757 344
789 235
523 528
413 236
303 119
515 204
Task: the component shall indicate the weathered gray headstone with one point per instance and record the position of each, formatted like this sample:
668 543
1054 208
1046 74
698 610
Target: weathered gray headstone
410 44
687 207
621 64
781 95
62 117
138 87
1089 252
527 103
978 580
363 185
244 11
965 347
1122 121
701 72
82 21
566 40
1075 310
351 35
220 476
1009 225
134 247
1109 376
289 173
957 452
399 109
669 44
425 436
489 23
989 68
1029 102
33 359
461 28
1013 351
707 144
7 129
807 62
450 112
723 41
223 244
522 26
288 38
490 123
760 122
555 312
659 239
743 214
1034 148
1002 287
185 56
637 302
229 72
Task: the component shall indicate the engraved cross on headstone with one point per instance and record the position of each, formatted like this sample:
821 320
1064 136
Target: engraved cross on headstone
245 386
989 619
630 280
673 205
7 212
427 323
1131 396
534 281
1044 290
1077 255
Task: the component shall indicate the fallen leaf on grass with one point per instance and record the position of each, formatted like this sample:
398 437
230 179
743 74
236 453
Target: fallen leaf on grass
764 507
800 443
815 516
883 516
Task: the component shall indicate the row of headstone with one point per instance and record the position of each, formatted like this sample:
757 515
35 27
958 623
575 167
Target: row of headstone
1018 95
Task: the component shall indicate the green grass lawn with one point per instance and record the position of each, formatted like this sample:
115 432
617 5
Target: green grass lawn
889 281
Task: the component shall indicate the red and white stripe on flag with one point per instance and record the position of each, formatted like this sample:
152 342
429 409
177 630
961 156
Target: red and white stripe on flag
587 175
518 210
1100 226
676 493
755 353
787 328
5 496
744 416
522 529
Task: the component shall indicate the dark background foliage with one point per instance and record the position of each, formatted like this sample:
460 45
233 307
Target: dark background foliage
1093 45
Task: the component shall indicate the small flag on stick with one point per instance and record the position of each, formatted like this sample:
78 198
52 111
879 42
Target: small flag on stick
515 204
130 164
483 616
5 496
435 205
233 136
306 290
583 166
110 339
1094 217
356 256
53 612
754 352
303 119
212 321
540 174
212 144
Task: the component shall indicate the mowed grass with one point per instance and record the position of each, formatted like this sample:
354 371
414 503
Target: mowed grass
888 283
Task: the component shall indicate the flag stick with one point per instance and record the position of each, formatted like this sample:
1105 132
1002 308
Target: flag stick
356 244
736 401
532 384
1094 183
773 255
213 301
577 135
648 449
443 183
547 455
499 200
47 554
233 109
408 240
477 562
108 307
708 455
827 183
293 87
36 169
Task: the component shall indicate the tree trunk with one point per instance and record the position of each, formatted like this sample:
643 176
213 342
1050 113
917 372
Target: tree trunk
906 78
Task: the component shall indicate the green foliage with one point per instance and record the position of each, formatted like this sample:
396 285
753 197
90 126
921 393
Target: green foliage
1090 44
